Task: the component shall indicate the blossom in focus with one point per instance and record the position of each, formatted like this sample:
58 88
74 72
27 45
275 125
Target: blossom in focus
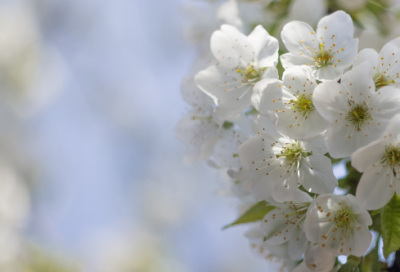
380 162
356 113
280 164
385 64
328 51
339 224
242 61
291 101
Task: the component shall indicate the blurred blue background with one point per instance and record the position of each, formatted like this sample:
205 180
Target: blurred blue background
110 191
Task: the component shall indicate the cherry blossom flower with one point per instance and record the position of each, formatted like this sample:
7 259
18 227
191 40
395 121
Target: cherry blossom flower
285 224
197 129
386 64
274 253
232 134
318 260
241 62
280 164
356 113
380 162
339 224
328 51
291 101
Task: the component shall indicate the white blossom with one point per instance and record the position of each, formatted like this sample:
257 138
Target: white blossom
232 134
380 162
328 51
385 64
280 164
197 129
356 113
318 260
291 101
339 224
274 253
285 224
241 62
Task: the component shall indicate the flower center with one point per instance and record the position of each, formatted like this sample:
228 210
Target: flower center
344 217
323 59
251 74
303 104
392 157
381 81
293 152
358 114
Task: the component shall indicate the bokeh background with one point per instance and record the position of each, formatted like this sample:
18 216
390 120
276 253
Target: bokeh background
92 177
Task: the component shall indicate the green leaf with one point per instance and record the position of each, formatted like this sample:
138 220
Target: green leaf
351 265
378 211
255 213
390 226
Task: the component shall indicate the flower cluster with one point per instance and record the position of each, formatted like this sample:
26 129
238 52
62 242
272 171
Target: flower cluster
272 131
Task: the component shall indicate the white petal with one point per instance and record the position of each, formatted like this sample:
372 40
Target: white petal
392 131
363 239
359 83
385 105
362 215
336 28
193 96
301 268
257 153
259 187
271 72
367 54
368 155
265 46
375 189
388 49
347 55
263 123
337 141
318 260
275 228
230 47
301 127
297 36
265 92
297 245
330 101
320 178
296 77
311 224
327 73
223 85
289 60
316 146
